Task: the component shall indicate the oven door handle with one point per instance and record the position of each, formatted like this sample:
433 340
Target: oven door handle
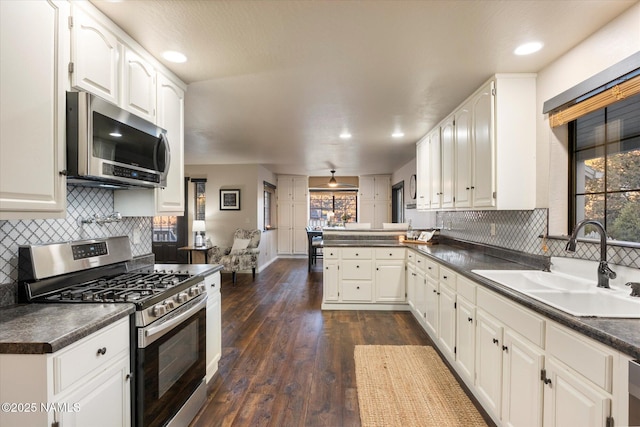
153 333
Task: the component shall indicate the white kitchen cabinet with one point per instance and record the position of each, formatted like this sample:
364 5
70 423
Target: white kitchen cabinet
489 362
466 339
95 56
482 168
390 285
423 188
138 85
293 214
431 305
447 320
92 387
374 199
170 199
34 54
447 132
214 323
410 279
435 169
330 280
463 155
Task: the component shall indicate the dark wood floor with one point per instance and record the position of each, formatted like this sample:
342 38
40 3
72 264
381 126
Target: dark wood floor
284 361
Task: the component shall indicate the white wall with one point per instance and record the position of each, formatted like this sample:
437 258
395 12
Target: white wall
616 41
418 219
220 225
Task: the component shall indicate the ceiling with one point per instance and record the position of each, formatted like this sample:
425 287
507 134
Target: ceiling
276 82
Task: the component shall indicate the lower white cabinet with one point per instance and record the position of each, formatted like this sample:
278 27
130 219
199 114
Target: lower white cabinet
214 323
363 278
524 369
85 383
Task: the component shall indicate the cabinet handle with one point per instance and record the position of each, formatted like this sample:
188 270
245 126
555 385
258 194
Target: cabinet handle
495 341
469 319
444 277
357 254
468 188
357 287
505 348
128 376
434 291
357 266
548 382
102 351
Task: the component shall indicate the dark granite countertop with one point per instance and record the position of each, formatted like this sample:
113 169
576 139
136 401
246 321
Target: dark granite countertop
340 243
201 269
47 328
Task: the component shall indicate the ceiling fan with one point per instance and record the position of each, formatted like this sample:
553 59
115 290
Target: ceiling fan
333 183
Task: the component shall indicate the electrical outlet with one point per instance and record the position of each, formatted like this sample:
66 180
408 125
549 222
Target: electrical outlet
493 229
136 235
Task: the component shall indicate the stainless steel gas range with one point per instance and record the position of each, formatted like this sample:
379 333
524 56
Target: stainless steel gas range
168 342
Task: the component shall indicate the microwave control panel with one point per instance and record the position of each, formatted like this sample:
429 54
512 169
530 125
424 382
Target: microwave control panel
123 172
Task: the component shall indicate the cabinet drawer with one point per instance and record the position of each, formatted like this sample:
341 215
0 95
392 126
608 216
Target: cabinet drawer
360 291
411 257
466 288
212 282
431 268
330 253
590 360
357 269
390 253
521 320
449 277
84 359
357 253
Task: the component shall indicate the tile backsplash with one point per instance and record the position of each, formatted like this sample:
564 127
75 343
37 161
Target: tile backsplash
82 203
521 231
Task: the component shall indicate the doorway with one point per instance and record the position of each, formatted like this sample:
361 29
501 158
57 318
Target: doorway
397 202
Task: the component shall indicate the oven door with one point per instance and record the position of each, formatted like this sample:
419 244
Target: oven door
170 363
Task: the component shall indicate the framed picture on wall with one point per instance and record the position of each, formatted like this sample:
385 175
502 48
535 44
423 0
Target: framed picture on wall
229 200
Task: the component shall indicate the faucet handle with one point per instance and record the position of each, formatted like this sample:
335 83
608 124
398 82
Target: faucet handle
605 269
635 288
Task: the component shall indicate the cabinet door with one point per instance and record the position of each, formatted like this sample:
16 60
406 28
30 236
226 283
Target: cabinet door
465 339
285 188
483 147
390 281
330 280
214 324
104 401
521 385
382 187
489 362
95 53
571 401
422 171
367 187
420 299
170 200
411 286
35 50
462 192
138 86
435 170
299 227
447 321
381 213
367 211
300 186
285 229
431 307
448 162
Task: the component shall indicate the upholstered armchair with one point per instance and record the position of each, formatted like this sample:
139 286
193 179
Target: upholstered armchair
243 255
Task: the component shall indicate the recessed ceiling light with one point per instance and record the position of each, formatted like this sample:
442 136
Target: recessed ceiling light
345 135
173 56
528 48
397 134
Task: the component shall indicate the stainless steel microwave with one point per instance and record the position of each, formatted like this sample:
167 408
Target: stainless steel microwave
112 148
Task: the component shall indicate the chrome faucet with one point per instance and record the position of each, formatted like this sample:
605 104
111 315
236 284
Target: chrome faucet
604 272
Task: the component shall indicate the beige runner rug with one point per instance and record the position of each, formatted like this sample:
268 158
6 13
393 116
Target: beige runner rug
409 386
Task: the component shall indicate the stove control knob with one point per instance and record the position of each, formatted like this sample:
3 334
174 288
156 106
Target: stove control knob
159 310
170 305
195 291
181 297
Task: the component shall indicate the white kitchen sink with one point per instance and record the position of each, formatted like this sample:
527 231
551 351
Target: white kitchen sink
572 294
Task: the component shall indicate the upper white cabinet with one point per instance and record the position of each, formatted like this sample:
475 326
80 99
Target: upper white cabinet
422 172
488 147
138 85
95 56
374 199
293 214
34 53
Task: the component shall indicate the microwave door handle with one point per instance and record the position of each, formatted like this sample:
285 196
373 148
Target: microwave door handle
165 141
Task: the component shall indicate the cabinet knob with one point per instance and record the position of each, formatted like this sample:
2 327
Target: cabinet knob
495 341
357 266
357 287
434 291
469 319
468 188
444 277
505 348
102 351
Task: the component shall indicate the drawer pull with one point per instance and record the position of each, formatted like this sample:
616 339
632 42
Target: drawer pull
357 254
444 277
357 266
357 287
102 351
390 254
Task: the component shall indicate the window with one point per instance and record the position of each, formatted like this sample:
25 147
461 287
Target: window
605 147
200 199
269 197
165 229
330 207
